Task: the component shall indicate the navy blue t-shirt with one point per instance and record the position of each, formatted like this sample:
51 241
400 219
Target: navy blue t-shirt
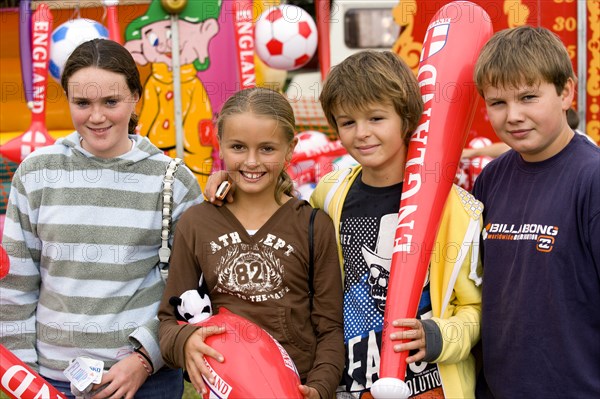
541 275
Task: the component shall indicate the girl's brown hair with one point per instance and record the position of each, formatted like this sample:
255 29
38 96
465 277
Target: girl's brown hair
524 55
373 77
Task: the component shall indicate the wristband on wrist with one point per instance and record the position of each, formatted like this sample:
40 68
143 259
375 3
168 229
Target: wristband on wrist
147 358
141 359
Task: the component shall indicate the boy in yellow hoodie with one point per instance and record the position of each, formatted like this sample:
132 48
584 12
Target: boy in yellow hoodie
373 102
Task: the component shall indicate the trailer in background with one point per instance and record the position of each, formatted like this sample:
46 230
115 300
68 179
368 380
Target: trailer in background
401 25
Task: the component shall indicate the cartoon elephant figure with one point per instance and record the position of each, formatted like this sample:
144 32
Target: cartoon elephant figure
148 39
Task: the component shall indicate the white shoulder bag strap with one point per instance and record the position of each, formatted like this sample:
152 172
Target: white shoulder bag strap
164 253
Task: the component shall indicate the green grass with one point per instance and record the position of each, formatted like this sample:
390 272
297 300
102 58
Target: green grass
188 392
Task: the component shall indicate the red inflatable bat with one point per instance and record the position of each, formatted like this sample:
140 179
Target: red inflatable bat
17 380
37 134
256 366
450 49
323 11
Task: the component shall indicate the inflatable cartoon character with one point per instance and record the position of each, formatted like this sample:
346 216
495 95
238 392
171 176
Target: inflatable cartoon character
148 39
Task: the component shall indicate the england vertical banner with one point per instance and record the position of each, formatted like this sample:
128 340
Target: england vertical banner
244 41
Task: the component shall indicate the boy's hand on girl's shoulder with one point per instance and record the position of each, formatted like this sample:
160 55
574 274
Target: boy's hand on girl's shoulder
308 392
412 331
195 349
212 186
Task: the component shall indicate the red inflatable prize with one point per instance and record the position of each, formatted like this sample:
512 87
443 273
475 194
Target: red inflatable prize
114 32
457 32
18 381
37 135
256 366
4 263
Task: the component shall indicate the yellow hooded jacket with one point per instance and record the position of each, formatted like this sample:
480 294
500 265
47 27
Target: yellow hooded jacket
454 276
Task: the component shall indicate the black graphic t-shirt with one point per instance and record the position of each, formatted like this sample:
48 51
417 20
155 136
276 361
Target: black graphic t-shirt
368 226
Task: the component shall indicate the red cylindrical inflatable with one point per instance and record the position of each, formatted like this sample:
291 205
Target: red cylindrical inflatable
255 366
323 14
4 263
37 134
450 49
114 32
19 381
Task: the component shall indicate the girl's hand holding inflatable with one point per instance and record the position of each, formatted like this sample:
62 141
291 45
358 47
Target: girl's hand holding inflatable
195 350
308 392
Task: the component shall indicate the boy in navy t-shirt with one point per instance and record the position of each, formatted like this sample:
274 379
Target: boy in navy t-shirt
541 251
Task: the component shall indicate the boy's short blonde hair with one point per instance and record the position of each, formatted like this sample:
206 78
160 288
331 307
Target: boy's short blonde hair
524 55
373 77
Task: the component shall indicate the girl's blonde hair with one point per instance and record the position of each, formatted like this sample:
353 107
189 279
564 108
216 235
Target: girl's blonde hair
261 101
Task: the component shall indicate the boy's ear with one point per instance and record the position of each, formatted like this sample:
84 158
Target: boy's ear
568 94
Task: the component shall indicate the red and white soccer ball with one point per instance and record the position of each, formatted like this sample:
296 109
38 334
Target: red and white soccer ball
285 37
309 141
479 142
477 165
469 169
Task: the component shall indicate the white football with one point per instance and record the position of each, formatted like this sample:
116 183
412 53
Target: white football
285 37
66 37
